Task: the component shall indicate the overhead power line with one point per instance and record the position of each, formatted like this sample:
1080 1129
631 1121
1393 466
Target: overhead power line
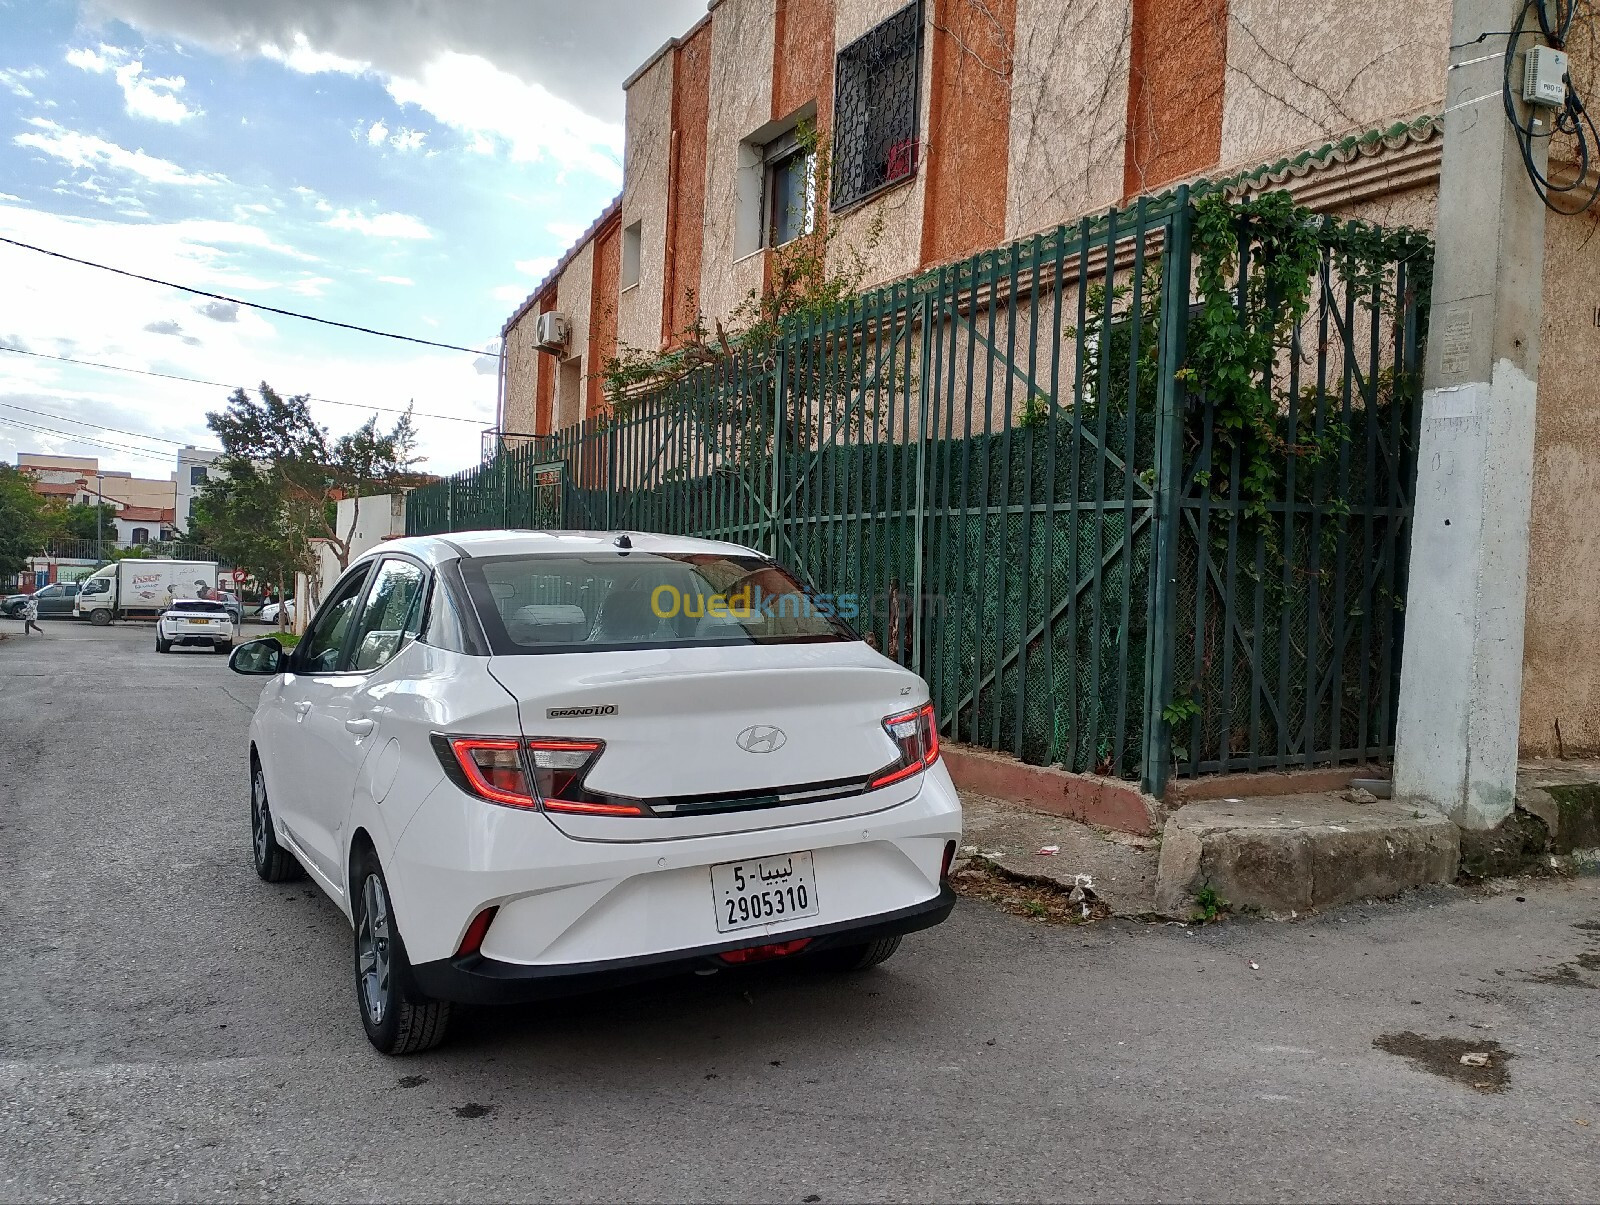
147 453
169 376
177 443
254 305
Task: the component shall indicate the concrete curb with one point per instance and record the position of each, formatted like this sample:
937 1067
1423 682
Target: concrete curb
1087 798
1301 853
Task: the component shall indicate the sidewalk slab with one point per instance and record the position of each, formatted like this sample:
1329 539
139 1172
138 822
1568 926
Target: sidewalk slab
1297 853
1122 867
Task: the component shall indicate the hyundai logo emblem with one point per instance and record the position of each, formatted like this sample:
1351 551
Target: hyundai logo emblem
761 738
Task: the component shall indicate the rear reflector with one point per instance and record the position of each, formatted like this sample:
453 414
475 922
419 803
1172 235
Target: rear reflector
762 953
472 940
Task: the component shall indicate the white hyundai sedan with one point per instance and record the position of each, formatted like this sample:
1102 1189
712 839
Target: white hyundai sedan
525 764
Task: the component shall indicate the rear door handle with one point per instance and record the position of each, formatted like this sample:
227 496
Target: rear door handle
360 727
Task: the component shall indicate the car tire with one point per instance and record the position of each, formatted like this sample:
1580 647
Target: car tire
398 1019
864 956
100 617
273 863
163 646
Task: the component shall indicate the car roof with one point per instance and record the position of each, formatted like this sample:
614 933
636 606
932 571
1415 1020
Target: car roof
187 602
467 544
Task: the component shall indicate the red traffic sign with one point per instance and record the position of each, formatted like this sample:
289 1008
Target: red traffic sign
240 575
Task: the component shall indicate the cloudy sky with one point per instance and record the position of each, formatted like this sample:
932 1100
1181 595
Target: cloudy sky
410 165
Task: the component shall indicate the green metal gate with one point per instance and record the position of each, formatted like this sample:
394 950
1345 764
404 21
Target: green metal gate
999 465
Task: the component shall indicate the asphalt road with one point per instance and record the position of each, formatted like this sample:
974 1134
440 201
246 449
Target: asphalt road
172 1028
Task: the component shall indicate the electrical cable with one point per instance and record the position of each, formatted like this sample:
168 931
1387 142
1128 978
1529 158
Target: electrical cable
147 453
169 376
162 439
254 305
1572 120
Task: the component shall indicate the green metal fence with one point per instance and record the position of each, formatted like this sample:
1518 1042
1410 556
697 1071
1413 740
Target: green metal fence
1000 462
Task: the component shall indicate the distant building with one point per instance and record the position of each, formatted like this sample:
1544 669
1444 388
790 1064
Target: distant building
146 507
195 467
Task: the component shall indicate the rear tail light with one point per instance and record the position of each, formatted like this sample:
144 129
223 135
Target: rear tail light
493 769
498 769
916 733
558 770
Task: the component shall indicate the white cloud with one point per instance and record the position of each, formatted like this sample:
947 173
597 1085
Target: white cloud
567 232
91 153
310 286
301 57
378 134
379 225
397 280
12 81
149 96
488 105
511 293
472 95
538 267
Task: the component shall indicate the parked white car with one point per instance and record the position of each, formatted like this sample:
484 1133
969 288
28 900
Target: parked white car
269 613
200 621
530 763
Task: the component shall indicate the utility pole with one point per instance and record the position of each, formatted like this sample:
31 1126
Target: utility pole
1461 680
99 519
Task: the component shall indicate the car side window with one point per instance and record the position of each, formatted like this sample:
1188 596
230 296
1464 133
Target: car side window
392 615
321 649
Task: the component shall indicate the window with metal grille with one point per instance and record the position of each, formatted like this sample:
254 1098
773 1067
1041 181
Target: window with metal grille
875 103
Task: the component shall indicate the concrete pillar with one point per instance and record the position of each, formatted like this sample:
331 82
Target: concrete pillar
1461 678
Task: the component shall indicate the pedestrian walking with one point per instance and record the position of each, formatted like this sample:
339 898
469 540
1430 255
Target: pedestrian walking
30 617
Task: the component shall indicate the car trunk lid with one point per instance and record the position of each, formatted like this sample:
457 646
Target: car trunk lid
720 739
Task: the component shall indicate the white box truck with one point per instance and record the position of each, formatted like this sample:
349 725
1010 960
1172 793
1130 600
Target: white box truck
143 589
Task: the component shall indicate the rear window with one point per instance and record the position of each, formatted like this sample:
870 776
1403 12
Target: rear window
552 604
198 606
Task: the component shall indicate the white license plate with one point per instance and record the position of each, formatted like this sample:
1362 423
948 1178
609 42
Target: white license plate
761 891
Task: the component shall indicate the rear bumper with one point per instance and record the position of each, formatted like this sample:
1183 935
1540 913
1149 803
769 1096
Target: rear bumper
475 979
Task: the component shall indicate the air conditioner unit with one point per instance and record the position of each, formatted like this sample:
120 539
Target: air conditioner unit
553 331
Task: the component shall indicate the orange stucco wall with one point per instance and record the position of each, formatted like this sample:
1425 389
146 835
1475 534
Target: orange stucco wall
802 60
969 127
602 313
686 188
1177 70
545 383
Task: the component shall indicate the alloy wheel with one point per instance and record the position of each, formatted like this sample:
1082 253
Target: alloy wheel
372 949
260 818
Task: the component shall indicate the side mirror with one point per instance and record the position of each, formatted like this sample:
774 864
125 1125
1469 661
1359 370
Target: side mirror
264 656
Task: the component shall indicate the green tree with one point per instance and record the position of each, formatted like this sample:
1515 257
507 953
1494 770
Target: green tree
282 474
81 521
24 521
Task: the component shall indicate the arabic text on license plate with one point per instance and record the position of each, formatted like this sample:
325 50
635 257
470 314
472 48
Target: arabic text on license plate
760 891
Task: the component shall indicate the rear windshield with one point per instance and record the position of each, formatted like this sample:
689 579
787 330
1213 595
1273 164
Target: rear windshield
552 604
197 605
